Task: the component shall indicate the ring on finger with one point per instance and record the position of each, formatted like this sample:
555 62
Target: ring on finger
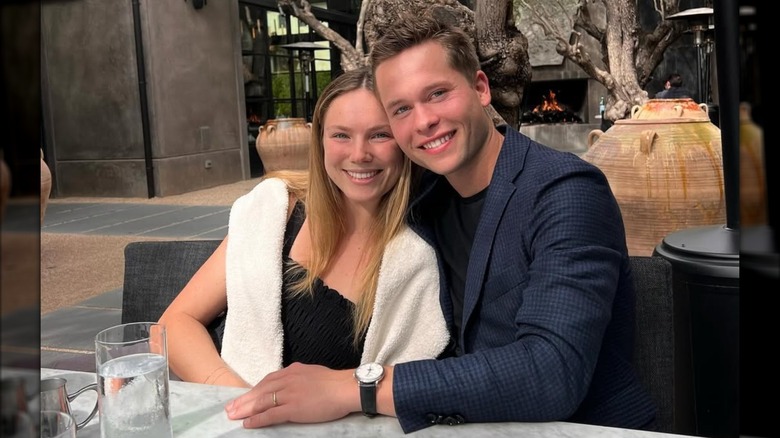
276 402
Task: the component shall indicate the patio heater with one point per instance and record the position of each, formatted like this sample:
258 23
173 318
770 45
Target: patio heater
698 20
705 260
306 56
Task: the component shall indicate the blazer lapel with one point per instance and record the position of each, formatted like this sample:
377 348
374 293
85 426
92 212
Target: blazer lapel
496 200
510 163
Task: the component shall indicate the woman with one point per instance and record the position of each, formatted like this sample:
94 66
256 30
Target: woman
318 268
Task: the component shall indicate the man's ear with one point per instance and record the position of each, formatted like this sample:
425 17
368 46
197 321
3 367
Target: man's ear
482 87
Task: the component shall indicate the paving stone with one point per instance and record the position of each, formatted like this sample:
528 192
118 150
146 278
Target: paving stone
111 300
75 327
68 361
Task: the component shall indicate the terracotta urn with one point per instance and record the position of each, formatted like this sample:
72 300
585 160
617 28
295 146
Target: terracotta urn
5 185
665 167
45 186
283 144
752 180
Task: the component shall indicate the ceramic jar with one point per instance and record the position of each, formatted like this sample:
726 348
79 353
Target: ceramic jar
45 185
5 185
283 144
752 180
665 167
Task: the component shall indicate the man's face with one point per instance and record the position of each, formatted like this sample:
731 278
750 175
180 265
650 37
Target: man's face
436 114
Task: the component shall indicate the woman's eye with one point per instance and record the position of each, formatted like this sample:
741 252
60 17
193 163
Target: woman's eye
383 135
339 135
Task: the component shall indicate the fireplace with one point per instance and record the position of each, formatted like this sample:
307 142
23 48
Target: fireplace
561 101
560 111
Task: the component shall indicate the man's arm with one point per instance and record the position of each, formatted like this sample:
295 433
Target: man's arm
306 394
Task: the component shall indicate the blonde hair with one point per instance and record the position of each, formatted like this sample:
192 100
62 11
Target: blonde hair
324 207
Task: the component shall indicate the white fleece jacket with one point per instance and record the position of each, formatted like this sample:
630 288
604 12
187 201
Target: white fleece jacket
407 322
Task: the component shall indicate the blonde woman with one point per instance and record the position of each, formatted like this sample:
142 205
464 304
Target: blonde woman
318 267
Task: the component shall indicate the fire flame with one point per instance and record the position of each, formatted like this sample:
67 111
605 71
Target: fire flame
549 103
253 119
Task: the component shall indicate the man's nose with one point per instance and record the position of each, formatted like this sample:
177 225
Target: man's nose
425 118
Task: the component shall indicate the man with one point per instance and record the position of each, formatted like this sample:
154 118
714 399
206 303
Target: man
673 88
538 291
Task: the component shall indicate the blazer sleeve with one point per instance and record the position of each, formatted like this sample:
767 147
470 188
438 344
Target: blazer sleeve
539 368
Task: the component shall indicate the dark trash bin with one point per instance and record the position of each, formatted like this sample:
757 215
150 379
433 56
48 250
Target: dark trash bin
705 271
759 281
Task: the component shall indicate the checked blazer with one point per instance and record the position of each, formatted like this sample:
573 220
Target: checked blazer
548 318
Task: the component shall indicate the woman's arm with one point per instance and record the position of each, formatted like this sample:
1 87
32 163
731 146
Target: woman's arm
192 354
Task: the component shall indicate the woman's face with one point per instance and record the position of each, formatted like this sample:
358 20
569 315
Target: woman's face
360 154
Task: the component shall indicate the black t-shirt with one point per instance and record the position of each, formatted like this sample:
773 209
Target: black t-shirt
455 228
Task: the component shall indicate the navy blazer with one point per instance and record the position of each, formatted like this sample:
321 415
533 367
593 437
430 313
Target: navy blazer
548 317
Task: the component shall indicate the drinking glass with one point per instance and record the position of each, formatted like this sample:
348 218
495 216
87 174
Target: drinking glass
133 385
57 424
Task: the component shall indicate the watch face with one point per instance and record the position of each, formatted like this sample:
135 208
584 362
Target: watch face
369 372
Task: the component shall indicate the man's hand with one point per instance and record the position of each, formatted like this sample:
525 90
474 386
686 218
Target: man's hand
297 394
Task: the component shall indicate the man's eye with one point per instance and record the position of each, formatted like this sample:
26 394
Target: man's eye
437 93
401 110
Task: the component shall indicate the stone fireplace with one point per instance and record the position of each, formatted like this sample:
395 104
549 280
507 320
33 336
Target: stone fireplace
577 97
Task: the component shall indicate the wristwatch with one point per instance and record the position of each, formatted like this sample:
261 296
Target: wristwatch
368 376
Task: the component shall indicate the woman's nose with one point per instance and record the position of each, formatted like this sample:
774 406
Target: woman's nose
360 152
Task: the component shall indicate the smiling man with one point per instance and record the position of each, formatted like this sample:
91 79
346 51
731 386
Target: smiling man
538 292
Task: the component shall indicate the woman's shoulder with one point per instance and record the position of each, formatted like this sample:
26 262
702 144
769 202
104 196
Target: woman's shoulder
266 190
409 246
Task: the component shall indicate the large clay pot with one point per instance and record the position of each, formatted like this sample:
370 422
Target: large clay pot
752 182
283 144
665 167
5 185
45 186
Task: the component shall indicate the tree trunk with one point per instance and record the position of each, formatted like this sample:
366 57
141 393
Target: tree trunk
503 52
621 40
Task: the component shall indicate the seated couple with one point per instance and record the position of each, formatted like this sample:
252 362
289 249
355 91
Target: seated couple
492 283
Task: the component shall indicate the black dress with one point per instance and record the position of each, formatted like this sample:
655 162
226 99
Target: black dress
318 329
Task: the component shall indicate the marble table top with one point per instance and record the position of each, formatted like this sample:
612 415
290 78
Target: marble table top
198 412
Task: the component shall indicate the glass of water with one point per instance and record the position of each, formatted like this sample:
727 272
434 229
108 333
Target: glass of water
132 378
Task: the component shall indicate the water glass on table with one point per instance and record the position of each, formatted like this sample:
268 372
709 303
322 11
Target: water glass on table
57 424
133 385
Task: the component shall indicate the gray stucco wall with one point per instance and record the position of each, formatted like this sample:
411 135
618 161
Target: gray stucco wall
92 108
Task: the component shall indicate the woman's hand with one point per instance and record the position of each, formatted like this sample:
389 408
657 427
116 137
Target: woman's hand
298 394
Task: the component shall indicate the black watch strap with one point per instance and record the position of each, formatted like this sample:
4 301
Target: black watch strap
368 399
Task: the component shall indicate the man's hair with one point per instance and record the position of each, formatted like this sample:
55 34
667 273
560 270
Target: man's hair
413 30
675 80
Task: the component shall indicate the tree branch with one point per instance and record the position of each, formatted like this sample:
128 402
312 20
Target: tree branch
361 22
351 58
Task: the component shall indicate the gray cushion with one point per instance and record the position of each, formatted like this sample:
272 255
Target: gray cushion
155 272
654 336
